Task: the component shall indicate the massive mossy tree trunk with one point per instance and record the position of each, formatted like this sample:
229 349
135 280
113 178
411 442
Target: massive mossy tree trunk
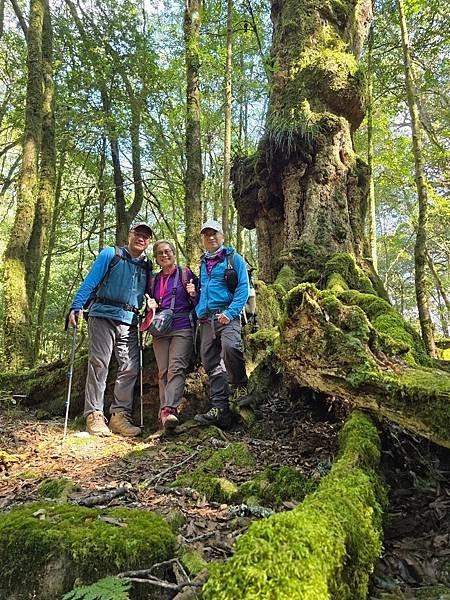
17 303
305 191
193 176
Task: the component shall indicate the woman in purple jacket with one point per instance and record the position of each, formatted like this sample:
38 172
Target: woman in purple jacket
173 349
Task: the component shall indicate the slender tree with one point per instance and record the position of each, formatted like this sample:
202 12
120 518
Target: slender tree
193 175
47 166
426 324
371 221
228 116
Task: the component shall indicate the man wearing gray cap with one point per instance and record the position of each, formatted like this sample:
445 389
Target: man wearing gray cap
218 311
114 289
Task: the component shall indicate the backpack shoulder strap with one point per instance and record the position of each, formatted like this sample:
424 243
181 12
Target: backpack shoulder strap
230 260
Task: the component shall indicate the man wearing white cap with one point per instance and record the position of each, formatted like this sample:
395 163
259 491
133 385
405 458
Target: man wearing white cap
115 288
218 311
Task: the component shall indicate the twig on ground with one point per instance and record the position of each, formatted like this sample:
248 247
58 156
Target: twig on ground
103 497
148 482
178 491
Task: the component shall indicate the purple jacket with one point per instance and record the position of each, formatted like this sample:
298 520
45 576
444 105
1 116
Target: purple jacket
183 302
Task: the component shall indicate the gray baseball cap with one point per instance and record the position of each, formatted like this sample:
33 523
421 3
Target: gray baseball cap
212 224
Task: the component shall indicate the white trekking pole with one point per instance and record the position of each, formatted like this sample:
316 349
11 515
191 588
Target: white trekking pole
141 383
70 375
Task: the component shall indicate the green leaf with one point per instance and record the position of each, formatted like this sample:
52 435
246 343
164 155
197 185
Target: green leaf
108 588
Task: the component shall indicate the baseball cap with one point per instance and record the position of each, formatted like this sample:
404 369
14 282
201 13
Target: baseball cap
212 224
144 226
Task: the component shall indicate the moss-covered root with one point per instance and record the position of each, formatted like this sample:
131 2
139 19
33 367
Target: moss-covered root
54 544
326 547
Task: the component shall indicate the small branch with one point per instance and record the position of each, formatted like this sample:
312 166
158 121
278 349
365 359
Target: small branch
148 482
104 497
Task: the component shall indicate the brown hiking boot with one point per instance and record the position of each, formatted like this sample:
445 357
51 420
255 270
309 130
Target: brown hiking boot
121 423
96 424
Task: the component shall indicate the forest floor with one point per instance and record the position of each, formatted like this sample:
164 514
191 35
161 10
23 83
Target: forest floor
303 435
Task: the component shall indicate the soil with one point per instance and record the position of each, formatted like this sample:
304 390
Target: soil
299 432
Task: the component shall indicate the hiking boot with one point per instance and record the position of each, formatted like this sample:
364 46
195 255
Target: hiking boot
221 417
96 424
121 424
168 417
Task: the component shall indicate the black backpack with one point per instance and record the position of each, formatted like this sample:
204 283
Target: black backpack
231 279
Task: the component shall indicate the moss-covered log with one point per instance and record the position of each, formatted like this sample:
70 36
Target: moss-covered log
46 547
323 549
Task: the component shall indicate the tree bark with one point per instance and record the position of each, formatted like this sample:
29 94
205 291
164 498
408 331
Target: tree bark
47 168
193 175
305 190
48 261
226 192
426 324
371 221
17 306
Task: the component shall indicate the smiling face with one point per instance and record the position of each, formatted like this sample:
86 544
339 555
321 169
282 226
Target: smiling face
165 256
212 239
138 241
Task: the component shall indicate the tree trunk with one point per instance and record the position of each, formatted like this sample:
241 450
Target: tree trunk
47 169
371 221
227 137
426 324
17 305
305 191
48 262
102 195
193 176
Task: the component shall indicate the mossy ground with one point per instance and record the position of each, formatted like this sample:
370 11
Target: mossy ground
35 535
324 548
207 478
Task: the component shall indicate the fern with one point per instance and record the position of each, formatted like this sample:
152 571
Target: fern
108 588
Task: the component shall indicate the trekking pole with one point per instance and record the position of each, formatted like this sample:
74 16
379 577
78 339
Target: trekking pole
70 374
141 383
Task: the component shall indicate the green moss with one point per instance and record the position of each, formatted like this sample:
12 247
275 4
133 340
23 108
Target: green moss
325 548
215 489
236 454
207 477
91 546
268 304
396 333
344 265
274 485
286 278
193 562
56 488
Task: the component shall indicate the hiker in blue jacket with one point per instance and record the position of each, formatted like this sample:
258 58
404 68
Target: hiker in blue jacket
218 312
116 285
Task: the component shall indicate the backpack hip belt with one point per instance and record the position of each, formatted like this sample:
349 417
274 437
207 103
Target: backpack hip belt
110 302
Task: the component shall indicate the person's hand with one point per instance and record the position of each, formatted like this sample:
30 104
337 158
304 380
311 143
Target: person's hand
190 288
151 303
223 319
74 315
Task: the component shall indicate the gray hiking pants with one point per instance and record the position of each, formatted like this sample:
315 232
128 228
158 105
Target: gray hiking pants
173 353
105 337
222 358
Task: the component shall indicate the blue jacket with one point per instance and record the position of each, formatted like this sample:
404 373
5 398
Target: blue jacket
214 293
125 284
